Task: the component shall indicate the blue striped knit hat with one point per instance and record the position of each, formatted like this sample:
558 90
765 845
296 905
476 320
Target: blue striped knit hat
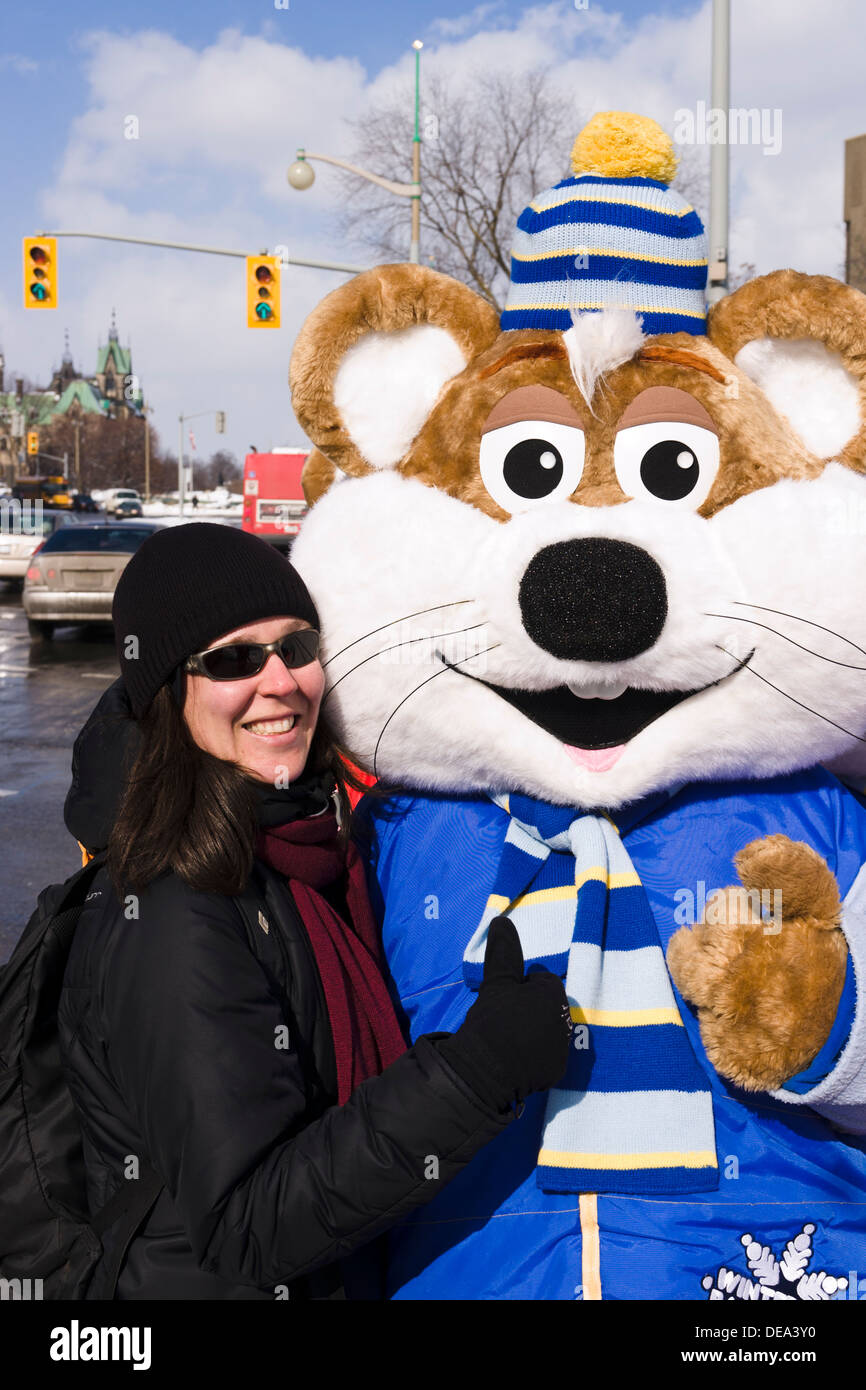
612 236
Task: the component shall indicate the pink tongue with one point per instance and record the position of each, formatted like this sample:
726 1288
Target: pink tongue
596 759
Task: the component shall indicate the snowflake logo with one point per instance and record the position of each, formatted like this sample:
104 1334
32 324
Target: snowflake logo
786 1278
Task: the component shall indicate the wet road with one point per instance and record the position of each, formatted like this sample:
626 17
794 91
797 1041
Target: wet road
46 694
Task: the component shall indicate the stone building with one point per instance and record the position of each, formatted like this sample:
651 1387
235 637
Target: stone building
112 391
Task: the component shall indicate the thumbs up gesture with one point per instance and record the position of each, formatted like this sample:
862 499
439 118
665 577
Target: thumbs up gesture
515 1037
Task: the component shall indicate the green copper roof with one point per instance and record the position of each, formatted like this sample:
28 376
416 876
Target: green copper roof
80 391
38 406
122 358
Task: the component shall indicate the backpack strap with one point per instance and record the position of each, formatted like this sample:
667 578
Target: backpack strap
134 1203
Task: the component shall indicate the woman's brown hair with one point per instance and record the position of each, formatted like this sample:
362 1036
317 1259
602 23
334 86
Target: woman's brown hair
185 810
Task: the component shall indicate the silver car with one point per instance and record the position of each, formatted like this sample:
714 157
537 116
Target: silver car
21 532
72 576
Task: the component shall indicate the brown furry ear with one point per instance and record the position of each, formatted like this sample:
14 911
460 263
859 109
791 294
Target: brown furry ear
347 356
802 339
317 476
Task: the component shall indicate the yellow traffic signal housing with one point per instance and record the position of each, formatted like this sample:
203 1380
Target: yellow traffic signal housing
40 272
263 291
33 441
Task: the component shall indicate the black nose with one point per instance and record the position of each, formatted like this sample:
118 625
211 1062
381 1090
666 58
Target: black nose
593 600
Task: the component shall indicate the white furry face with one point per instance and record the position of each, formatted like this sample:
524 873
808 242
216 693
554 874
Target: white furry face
726 647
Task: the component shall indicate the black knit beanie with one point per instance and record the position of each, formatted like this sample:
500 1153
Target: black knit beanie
188 585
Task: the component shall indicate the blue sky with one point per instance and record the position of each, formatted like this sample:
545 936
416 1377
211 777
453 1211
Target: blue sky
226 90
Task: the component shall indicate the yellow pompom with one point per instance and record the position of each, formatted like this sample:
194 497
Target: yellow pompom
620 145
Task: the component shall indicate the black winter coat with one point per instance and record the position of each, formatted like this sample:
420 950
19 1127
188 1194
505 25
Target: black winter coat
204 1050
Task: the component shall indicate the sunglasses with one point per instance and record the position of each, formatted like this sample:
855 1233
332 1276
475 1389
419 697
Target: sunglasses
237 661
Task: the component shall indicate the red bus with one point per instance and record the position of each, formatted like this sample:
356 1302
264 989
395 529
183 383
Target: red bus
274 505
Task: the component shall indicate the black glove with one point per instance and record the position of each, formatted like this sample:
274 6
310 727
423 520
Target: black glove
516 1035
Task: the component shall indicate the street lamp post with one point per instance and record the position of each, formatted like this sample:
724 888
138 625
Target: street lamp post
301 176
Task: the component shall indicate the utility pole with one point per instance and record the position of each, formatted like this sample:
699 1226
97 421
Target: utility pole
415 248
146 456
180 477
720 153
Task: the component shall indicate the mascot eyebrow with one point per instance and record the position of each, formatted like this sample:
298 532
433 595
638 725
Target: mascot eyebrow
652 353
520 350
660 353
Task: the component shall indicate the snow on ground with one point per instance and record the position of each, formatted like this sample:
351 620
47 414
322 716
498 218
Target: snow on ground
214 503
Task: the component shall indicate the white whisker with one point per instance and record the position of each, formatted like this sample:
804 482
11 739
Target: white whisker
734 617
427 681
453 603
795 617
807 708
407 642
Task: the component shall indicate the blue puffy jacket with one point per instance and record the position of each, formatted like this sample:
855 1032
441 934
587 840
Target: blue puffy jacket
789 1216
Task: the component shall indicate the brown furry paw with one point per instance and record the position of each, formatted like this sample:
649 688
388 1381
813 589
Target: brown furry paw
765 967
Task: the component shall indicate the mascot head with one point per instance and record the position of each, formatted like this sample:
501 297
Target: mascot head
606 544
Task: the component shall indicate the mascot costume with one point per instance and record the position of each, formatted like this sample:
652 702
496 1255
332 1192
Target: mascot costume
592 585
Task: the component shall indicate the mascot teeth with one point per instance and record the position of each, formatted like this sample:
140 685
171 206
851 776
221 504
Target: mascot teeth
598 690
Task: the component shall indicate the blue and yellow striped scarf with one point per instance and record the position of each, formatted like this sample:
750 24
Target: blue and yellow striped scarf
633 1113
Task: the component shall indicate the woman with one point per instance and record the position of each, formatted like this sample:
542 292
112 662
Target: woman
224 1018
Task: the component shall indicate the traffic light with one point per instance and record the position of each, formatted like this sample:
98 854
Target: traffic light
263 291
40 272
33 441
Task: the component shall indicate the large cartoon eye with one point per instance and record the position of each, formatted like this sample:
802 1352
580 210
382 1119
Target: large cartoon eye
667 460
531 463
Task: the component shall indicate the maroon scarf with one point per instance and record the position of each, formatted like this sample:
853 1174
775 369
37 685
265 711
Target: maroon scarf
367 1036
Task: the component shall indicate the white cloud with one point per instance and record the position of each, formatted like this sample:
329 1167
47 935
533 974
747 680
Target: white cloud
18 63
456 28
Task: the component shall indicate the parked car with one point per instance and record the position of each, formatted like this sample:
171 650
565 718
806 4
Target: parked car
72 576
128 506
83 502
112 499
21 533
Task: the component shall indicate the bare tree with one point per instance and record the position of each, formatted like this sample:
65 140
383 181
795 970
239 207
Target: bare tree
692 180
111 451
221 470
745 272
485 153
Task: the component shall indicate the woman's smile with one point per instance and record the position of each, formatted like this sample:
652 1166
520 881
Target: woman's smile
272 729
